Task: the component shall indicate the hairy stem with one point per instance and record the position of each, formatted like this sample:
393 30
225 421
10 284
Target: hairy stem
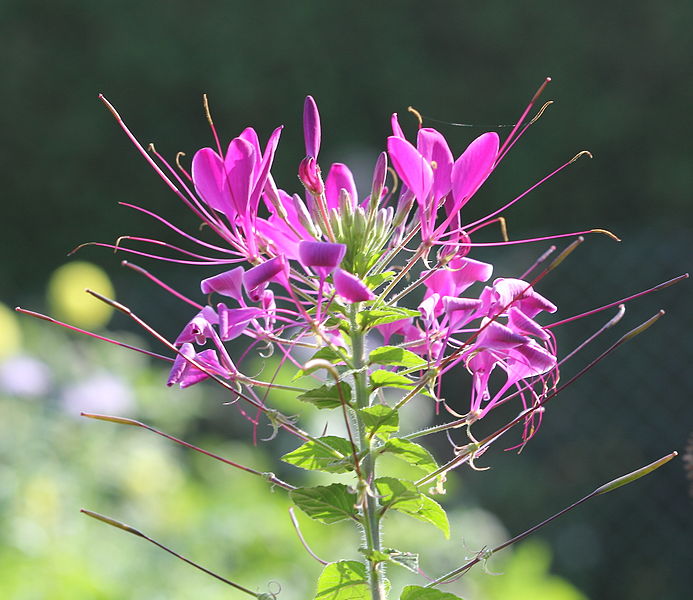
371 521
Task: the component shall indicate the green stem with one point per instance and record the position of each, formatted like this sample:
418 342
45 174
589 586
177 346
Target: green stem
371 520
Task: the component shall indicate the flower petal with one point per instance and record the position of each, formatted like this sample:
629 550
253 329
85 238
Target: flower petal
311 127
473 167
239 164
228 283
339 178
434 148
323 257
351 288
209 177
413 168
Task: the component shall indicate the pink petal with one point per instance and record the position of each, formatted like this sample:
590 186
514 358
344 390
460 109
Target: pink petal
240 163
209 177
521 323
311 127
396 129
339 177
411 167
529 360
351 288
434 148
473 167
460 311
522 296
263 171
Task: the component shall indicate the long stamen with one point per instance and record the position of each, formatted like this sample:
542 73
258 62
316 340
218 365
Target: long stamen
132 530
656 288
53 321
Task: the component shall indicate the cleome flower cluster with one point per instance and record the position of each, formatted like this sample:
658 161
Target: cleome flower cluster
298 262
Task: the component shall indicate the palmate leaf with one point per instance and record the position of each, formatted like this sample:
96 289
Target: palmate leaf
398 494
416 592
379 316
403 496
380 419
327 504
327 396
398 357
343 580
315 457
325 353
383 378
412 453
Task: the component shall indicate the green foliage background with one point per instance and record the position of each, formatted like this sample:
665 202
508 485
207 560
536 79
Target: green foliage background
621 83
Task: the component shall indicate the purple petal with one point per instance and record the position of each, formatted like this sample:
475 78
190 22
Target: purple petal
199 328
311 127
350 287
411 167
234 321
180 364
256 278
324 257
240 163
339 178
379 175
228 283
499 337
473 167
521 323
250 136
209 177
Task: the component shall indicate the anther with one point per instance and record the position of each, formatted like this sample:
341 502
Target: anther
178 157
541 112
579 155
606 233
504 229
208 113
417 114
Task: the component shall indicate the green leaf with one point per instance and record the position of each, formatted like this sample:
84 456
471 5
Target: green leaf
325 353
416 592
327 396
315 457
433 513
412 453
399 494
327 504
380 316
383 378
399 357
403 496
380 419
373 281
343 580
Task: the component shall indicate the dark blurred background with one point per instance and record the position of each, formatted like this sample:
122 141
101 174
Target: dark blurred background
621 82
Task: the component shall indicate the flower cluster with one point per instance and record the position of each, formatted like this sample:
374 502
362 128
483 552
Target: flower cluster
303 260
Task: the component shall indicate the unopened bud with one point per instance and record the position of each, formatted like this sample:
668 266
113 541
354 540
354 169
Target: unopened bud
309 174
